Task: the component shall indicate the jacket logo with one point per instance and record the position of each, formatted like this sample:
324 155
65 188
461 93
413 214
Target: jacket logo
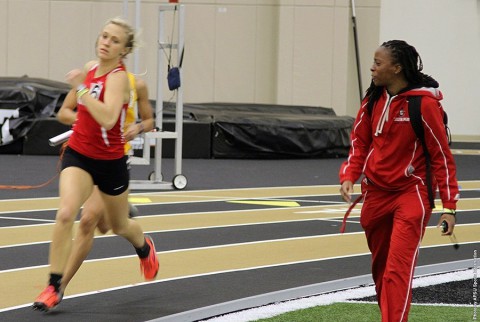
401 117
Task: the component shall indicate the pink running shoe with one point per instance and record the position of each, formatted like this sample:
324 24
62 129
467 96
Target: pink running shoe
47 300
149 265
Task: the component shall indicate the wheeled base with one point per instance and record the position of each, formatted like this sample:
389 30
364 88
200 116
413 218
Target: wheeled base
155 179
179 182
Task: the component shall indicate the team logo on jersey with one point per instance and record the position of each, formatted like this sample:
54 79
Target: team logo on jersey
96 90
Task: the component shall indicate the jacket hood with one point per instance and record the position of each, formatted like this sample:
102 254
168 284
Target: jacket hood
428 87
424 91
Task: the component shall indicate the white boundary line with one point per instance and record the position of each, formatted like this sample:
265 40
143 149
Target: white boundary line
271 304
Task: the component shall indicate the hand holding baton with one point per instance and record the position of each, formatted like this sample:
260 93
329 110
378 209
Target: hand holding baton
59 139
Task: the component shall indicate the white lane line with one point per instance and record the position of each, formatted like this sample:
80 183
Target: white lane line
447 243
290 305
331 219
27 219
182 214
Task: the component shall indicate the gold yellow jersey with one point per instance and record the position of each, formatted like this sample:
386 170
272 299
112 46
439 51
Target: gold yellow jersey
130 116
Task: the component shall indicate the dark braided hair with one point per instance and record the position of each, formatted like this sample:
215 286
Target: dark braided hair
408 58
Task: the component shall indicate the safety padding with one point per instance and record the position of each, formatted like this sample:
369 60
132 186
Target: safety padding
36 140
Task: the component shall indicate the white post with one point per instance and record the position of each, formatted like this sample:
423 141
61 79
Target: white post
179 105
159 101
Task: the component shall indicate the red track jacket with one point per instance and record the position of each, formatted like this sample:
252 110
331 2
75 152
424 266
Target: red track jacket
385 148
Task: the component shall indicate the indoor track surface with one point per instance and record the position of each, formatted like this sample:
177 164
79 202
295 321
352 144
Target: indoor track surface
241 228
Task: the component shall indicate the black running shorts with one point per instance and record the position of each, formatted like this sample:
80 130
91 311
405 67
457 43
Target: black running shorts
111 176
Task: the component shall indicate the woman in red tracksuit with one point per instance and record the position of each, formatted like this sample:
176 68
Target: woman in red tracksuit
385 148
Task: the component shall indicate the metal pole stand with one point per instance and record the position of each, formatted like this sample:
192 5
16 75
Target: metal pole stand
155 180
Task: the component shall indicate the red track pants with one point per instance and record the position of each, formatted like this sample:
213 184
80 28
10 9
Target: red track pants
394 224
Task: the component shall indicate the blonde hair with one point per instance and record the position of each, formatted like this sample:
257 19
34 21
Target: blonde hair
131 42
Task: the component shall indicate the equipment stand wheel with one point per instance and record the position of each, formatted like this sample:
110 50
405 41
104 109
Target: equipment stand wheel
179 182
152 176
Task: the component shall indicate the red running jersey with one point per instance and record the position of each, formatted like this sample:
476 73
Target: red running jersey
90 138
